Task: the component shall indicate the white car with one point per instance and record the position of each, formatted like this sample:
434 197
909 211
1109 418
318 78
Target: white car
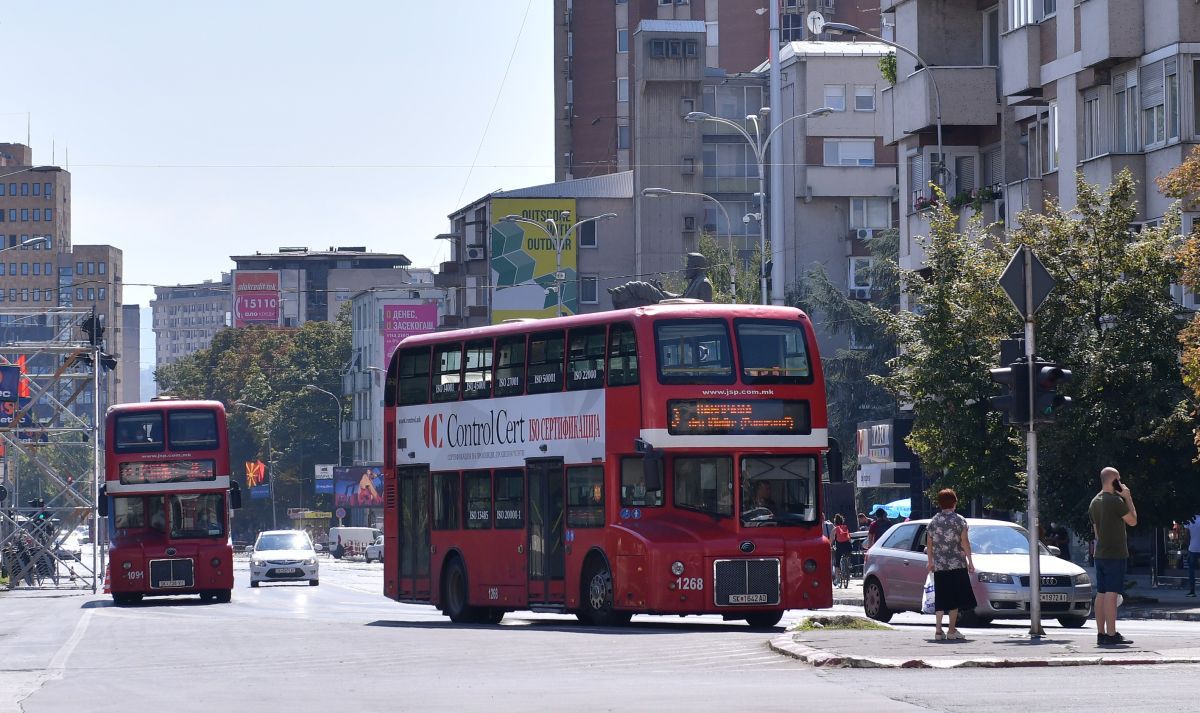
284 556
374 550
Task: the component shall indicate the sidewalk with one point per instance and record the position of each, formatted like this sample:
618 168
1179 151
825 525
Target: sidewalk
1141 600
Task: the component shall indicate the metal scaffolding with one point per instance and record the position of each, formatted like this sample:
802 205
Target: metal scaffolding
54 430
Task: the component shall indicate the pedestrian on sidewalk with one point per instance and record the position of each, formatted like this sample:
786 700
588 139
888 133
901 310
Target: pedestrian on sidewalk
949 554
1111 511
877 527
1193 553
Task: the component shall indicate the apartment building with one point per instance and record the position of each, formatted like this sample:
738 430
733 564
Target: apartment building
595 97
187 317
131 347
1033 91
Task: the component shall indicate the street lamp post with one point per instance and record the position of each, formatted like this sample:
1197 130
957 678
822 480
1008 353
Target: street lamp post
554 230
330 394
31 241
759 144
656 192
270 453
847 29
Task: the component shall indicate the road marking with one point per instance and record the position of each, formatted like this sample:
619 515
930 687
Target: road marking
28 684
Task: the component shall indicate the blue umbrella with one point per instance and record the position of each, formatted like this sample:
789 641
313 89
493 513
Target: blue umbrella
897 509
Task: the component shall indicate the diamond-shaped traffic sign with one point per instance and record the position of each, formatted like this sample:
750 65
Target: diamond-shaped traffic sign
1025 269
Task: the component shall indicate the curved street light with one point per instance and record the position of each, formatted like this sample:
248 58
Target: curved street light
658 192
270 474
848 29
759 145
31 241
312 387
554 230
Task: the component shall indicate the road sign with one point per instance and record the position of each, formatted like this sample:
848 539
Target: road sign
340 512
1026 271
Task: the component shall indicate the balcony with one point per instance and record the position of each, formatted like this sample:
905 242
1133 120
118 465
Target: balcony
1021 56
968 99
1115 31
841 181
1101 170
1021 196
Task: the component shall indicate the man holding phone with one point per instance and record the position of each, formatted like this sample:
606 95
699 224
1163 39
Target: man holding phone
1111 511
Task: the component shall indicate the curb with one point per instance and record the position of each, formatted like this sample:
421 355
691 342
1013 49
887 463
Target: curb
787 645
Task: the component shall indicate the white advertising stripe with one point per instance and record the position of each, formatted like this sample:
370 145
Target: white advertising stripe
502 433
660 438
115 487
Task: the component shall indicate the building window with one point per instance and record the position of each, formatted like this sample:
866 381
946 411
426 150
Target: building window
102 268
870 213
622 41
49 189
849 152
675 48
37 268
24 189
1125 112
1093 128
1052 138
1160 102
690 48
79 268
91 268
49 214
24 268
37 214
91 294
24 215
37 189
587 235
835 96
711 34
49 269
101 293
12 215
622 89
860 273
791 28
78 293
658 48
864 97
623 136
588 293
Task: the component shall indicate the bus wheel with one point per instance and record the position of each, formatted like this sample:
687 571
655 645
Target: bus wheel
223 596
491 615
764 620
126 598
597 597
454 594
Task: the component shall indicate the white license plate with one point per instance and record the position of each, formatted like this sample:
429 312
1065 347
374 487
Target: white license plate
1053 597
172 583
747 599
285 570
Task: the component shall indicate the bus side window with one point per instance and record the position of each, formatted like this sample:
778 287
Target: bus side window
585 368
414 377
546 362
477 373
510 366
445 501
585 496
510 495
447 376
622 356
633 484
477 494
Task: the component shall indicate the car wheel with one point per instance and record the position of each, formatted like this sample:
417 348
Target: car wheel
454 594
597 597
314 582
874 605
968 617
253 583
764 620
1072 622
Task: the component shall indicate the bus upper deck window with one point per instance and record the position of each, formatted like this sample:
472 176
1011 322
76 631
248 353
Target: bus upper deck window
477 372
585 368
447 374
139 432
192 430
694 351
772 351
414 377
545 362
510 366
622 355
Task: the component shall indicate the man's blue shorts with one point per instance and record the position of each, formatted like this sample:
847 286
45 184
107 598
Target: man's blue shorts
1110 576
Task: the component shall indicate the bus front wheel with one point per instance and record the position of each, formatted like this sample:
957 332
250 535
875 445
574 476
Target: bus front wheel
597 597
764 620
126 598
454 594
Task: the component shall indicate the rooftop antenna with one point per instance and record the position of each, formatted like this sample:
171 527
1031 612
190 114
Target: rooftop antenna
29 129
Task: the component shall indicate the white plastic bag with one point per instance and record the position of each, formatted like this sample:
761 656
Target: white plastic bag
927 605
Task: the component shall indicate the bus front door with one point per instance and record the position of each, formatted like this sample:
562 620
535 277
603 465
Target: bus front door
414 532
547 511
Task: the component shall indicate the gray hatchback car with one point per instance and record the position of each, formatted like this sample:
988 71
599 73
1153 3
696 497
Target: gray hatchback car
896 566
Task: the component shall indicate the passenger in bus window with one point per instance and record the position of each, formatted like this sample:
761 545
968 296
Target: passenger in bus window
158 514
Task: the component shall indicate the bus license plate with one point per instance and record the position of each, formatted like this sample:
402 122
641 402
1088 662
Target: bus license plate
1053 597
172 583
747 599
285 570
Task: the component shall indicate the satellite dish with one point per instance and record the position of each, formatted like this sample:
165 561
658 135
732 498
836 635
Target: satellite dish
815 22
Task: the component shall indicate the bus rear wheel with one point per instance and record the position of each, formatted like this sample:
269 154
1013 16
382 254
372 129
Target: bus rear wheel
454 594
490 615
764 620
597 597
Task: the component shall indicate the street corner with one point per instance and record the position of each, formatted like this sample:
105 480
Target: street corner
832 645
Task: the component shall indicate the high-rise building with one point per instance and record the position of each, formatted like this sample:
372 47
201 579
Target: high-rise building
596 98
96 287
187 317
131 348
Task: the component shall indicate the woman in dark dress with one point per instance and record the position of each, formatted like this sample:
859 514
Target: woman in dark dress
950 561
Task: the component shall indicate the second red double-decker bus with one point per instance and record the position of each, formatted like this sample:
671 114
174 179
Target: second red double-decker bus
664 459
168 496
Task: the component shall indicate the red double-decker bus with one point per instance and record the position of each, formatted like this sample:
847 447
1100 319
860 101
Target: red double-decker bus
659 460
168 496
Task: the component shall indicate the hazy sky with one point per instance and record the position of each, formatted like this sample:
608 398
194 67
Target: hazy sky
196 130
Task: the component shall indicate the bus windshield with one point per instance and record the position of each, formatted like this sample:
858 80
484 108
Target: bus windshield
200 515
779 490
772 352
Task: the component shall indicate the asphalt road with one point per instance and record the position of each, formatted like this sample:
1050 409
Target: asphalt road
343 647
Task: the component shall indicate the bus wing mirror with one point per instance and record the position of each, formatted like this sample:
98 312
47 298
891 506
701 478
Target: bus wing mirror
651 465
102 502
833 461
235 496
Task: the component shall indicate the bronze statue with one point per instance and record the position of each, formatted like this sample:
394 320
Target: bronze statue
638 293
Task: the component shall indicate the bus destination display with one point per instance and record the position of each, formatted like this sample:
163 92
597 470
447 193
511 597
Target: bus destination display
738 417
179 471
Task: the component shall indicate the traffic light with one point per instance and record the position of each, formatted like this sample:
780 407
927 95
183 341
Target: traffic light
1014 404
1047 402
93 327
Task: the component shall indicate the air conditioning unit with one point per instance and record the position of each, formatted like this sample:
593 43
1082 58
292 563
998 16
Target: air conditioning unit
860 293
475 253
864 233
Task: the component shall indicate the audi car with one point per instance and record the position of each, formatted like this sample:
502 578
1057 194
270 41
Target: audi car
896 567
284 556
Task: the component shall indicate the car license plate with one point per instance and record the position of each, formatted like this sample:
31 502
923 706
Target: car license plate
172 583
1053 597
285 570
747 599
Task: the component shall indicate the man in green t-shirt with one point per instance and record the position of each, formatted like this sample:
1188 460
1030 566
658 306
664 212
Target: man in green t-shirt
1111 511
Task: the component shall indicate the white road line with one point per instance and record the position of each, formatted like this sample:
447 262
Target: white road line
53 671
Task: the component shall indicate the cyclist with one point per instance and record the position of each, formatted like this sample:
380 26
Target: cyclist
841 549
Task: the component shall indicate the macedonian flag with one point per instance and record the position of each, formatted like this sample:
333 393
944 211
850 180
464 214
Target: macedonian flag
256 473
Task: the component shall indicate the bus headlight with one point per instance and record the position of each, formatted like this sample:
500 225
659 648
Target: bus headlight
676 568
216 562
126 565
810 565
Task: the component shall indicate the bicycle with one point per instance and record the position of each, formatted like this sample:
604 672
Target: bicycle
843 574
